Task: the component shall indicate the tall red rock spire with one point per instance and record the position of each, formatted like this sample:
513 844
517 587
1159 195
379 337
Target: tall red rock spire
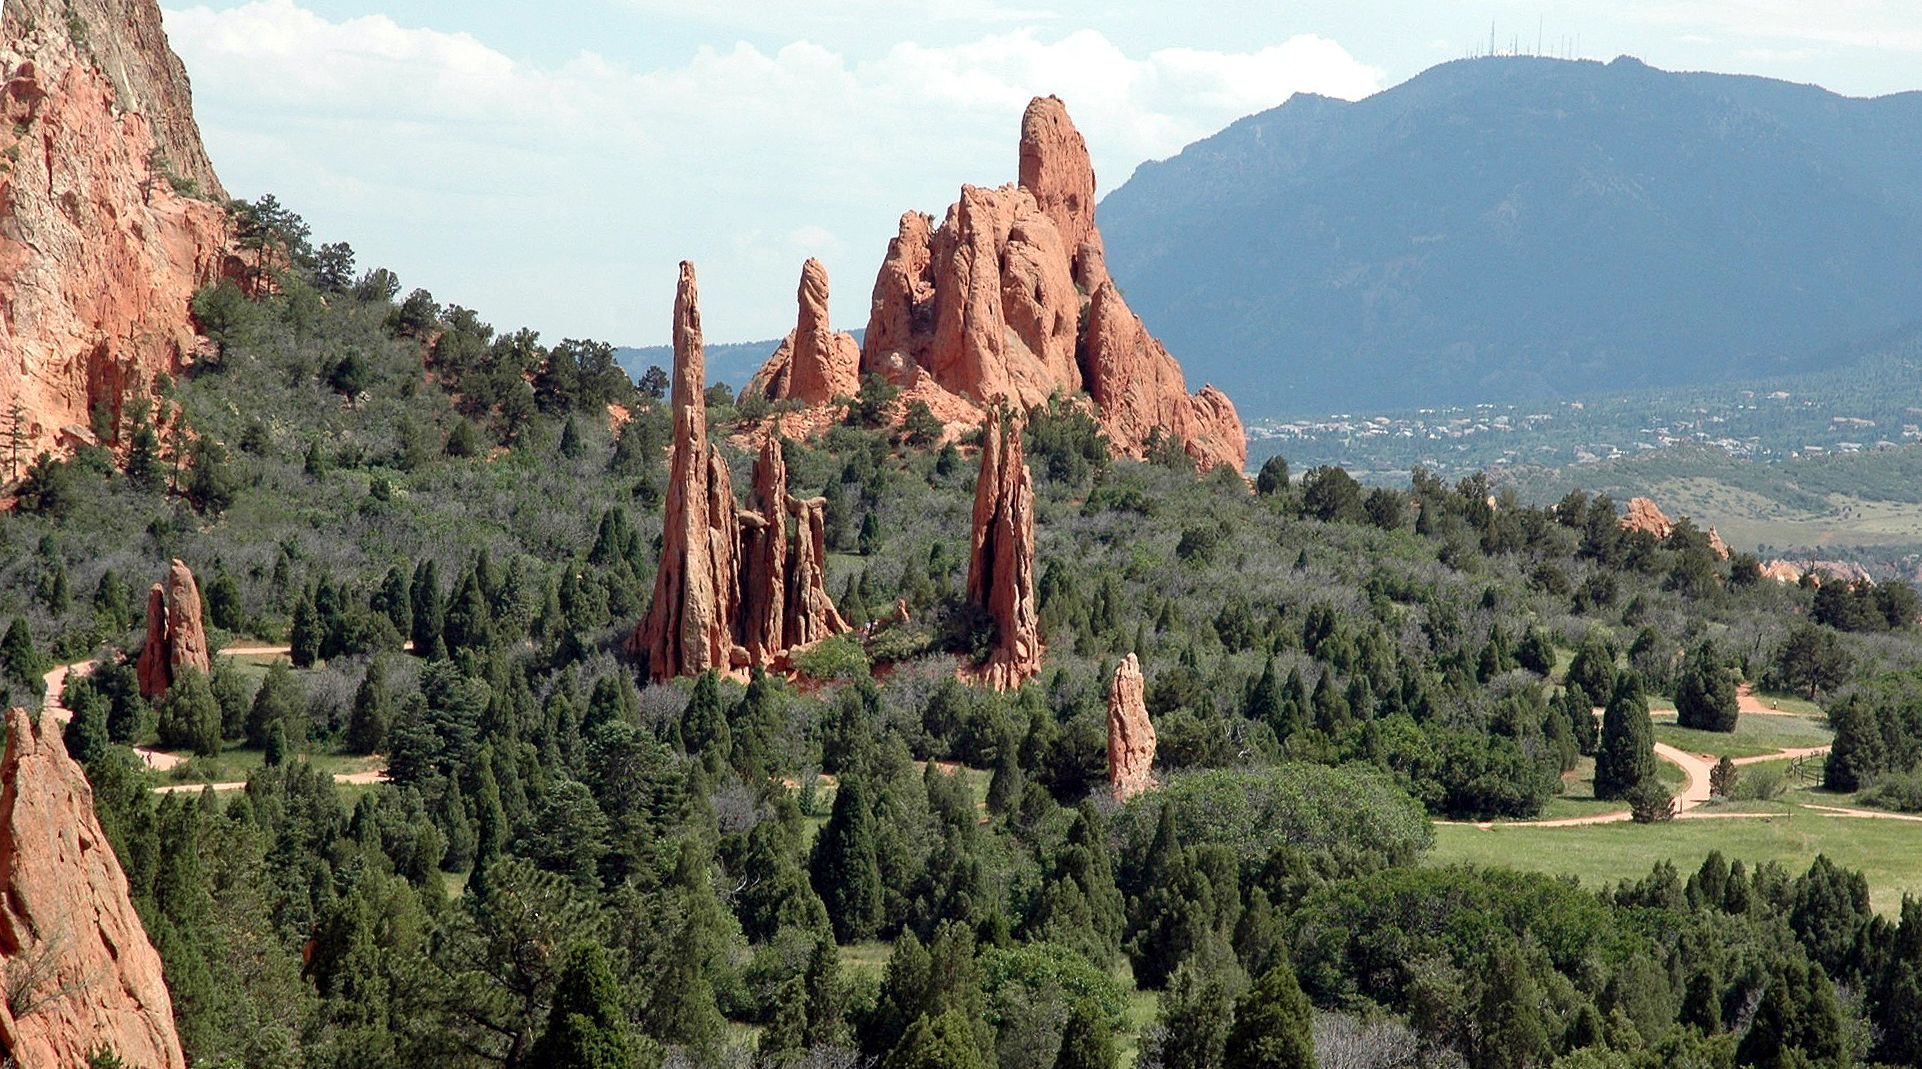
733 590
1001 557
1131 735
814 361
176 637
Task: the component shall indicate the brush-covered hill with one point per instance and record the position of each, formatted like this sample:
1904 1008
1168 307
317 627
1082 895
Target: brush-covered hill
1514 228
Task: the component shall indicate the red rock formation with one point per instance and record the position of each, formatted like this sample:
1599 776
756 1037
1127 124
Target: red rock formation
100 252
686 628
1716 545
68 930
811 615
1131 735
175 635
1644 515
1139 390
732 590
814 361
1001 558
991 306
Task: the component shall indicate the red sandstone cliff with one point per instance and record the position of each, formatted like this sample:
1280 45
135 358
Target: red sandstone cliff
1008 301
100 251
68 931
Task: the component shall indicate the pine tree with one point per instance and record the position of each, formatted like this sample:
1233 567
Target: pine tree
1625 757
1705 693
188 716
785 1037
845 872
1086 1040
308 633
1897 1006
372 714
586 1029
1273 1026
826 1000
424 602
1192 1026
22 661
1512 1015
1008 783
942 1042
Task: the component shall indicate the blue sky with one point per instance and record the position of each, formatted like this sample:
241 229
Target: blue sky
548 164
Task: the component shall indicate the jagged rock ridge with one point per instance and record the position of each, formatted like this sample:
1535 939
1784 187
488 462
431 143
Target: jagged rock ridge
1008 301
733 591
110 215
88 978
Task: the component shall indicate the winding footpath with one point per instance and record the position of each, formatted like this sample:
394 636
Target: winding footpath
163 761
1699 769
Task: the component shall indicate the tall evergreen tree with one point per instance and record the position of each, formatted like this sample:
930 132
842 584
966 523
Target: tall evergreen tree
846 874
1274 1026
1705 697
1086 1040
587 1028
1625 757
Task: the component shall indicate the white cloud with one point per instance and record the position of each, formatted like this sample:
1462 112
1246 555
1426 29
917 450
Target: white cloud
562 195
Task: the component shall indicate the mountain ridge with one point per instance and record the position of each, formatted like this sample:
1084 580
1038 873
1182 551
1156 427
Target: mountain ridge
1522 227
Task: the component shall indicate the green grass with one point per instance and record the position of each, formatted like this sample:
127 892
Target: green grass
1138 1017
870 957
1753 736
1578 792
1887 852
235 765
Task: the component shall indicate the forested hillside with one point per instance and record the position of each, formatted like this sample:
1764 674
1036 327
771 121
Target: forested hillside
453 529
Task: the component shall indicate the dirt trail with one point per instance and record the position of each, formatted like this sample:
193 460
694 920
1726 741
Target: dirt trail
1747 703
161 760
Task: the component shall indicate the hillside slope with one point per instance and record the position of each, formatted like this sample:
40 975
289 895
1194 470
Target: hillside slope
1511 228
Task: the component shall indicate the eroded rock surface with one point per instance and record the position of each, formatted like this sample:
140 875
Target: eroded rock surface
82 975
733 589
110 215
1001 558
1131 735
176 636
1008 302
814 361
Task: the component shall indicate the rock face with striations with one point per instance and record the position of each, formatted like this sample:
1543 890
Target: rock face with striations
90 979
1131 736
176 638
1001 558
733 591
110 214
1008 301
814 361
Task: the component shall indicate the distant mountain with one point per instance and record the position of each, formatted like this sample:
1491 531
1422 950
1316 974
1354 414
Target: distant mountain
729 362
1519 228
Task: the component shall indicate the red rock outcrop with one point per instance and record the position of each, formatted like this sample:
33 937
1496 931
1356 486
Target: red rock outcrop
176 638
87 976
813 361
732 590
1131 735
1008 302
1644 515
104 232
1001 558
